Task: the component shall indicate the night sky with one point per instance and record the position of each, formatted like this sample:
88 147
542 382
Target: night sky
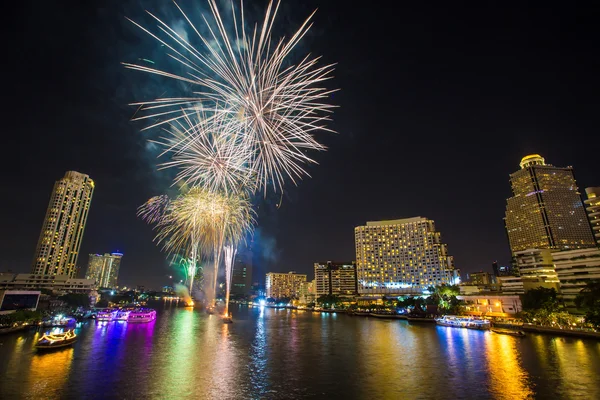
438 104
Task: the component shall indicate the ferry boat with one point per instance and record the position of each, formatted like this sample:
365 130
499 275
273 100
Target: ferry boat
122 315
59 321
106 315
142 315
52 341
509 332
463 322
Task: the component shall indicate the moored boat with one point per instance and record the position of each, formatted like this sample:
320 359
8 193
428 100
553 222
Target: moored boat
106 315
463 322
508 332
141 315
52 341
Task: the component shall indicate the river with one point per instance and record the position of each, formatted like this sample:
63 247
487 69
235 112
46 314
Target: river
288 354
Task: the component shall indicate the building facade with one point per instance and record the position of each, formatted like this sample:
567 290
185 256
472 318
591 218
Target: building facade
481 278
536 269
336 278
592 206
241 281
104 269
308 292
575 268
403 256
60 239
283 285
546 211
492 305
56 283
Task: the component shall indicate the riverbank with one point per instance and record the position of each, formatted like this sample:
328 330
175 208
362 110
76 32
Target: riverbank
560 332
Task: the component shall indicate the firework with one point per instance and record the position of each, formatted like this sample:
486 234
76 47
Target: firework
270 108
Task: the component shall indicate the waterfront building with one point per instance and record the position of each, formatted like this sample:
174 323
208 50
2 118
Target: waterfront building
12 300
59 284
511 284
481 278
336 278
575 268
104 269
403 256
491 305
283 285
536 269
241 281
308 293
546 211
592 205
60 239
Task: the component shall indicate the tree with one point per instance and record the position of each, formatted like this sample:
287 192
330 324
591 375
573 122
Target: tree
329 300
76 300
541 299
589 300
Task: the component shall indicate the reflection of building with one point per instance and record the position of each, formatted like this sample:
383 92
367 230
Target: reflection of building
104 269
335 278
401 256
492 305
55 283
575 268
545 211
62 231
592 205
241 282
11 300
280 285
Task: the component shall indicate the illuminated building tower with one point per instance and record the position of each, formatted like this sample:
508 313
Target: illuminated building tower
401 256
280 285
545 211
335 278
593 208
62 231
241 281
104 269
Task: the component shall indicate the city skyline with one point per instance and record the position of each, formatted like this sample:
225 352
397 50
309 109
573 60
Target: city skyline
416 148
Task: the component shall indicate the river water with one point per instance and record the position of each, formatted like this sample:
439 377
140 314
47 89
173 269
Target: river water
285 354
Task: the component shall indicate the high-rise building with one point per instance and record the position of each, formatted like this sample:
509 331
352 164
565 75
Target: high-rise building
546 211
58 247
307 292
481 278
336 278
241 281
283 285
536 269
592 205
401 256
504 270
575 268
104 269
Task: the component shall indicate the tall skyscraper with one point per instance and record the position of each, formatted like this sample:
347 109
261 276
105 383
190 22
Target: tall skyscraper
593 208
104 269
279 285
241 281
401 256
546 211
58 247
335 278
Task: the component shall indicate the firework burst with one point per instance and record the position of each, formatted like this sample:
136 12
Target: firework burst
270 108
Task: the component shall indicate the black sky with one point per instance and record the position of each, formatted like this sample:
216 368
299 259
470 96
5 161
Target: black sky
438 103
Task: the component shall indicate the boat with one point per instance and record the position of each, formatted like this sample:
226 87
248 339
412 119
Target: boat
420 319
508 332
106 315
463 322
59 321
12 328
50 341
141 315
227 319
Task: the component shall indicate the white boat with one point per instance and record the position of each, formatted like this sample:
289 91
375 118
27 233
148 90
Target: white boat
142 315
463 322
106 315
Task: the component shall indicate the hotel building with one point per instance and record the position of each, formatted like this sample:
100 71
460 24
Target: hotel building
104 269
58 246
284 285
336 278
401 256
592 205
241 281
546 211
575 268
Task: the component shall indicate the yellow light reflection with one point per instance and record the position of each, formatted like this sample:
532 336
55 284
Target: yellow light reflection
48 373
508 379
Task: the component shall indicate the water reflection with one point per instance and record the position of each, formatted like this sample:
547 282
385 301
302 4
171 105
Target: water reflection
275 354
508 379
